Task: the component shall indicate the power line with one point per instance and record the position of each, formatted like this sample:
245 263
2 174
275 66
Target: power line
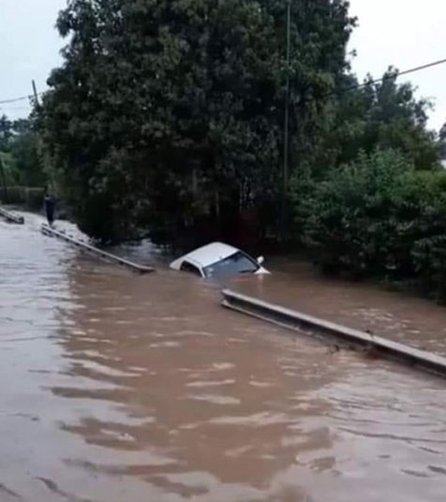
365 84
396 74
21 98
15 100
423 67
391 75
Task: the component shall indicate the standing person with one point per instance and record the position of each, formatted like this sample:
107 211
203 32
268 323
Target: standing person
50 206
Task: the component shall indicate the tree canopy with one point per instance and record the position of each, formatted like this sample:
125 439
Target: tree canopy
170 113
173 110
377 114
19 153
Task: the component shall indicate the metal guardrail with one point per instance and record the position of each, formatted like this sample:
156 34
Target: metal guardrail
51 232
297 321
13 218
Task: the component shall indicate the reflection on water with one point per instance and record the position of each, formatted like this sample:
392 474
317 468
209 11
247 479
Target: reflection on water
119 387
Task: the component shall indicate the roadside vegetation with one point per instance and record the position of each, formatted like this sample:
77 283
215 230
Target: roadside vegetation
22 177
168 116
376 206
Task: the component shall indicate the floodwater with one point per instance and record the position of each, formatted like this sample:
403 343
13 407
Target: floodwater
124 388
404 318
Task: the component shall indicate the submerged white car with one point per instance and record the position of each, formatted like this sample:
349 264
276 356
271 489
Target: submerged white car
218 260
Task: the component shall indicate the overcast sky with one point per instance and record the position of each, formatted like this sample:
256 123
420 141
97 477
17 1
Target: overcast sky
402 33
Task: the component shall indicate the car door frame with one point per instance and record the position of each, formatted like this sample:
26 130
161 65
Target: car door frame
191 263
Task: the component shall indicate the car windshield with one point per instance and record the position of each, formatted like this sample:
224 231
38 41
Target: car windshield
238 263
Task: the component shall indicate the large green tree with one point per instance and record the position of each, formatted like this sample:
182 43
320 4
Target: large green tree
376 114
174 108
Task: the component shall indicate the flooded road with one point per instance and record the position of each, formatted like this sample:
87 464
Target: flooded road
401 317
117 387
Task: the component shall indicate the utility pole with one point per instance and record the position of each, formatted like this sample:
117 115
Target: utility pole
285 174
3 176
36 97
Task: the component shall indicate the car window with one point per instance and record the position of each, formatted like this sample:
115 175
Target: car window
188 267
238 263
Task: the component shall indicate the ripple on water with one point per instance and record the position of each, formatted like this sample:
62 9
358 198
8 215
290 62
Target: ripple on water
108 396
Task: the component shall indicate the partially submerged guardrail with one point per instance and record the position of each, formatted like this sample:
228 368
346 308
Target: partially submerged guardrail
51 232
13 218
297 321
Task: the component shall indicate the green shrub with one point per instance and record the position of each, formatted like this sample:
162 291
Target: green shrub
430 262
346 219
377 217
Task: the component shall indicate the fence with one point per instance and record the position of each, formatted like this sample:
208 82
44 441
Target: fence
29 197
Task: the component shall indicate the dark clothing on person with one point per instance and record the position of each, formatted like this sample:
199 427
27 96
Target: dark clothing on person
50 206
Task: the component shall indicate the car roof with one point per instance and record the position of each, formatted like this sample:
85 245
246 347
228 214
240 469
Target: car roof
210 254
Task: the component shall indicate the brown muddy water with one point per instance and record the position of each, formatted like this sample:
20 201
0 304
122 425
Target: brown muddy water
404 318
118 387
